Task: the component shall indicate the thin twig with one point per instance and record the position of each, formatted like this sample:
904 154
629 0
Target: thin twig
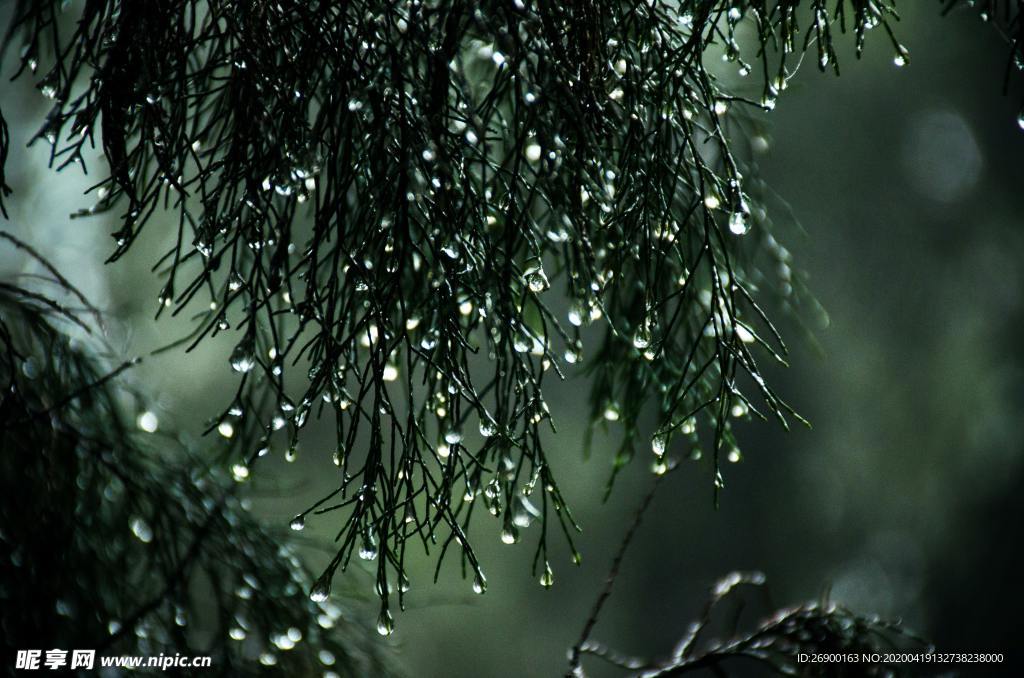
609 583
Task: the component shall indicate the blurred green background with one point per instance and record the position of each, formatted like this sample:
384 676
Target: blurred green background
906 496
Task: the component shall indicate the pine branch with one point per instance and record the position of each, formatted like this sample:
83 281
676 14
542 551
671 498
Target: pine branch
773 644
384 195
123 540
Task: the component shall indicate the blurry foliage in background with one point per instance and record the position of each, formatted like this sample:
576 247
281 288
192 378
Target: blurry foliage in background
126 543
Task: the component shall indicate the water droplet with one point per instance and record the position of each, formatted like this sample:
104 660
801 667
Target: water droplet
298 523
734 455
226 429
547 578
509 534
240 472
521 343
523 512
321 590
536 280
385 624
326 657
578 313
147 421
142 531
368 550
368 338
451 250
658 444
487 428
282 642
533 152
243 358
642 338
611 412
236 633
738 223
744 334
480 583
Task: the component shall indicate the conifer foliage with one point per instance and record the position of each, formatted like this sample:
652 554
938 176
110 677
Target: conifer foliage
107 544
410 216
773 645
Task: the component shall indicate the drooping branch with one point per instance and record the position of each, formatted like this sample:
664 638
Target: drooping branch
432 207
